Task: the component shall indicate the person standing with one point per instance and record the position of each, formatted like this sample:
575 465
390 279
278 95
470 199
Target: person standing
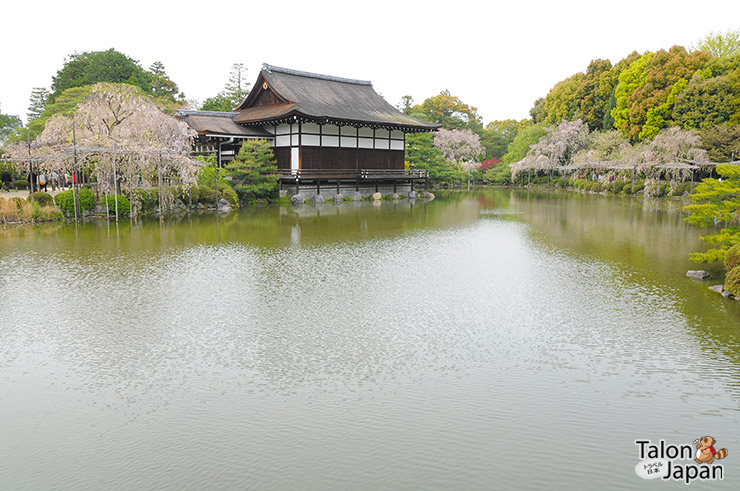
54 180
6 178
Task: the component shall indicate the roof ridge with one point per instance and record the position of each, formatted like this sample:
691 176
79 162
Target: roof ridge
298 73
192 112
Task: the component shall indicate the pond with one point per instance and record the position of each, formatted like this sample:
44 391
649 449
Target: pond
484 340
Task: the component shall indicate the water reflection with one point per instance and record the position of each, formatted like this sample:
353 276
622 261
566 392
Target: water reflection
360 345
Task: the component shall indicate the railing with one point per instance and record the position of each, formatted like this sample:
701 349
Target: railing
362 174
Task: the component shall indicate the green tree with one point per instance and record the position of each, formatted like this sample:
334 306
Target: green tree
237 88
422 154
40 97
406 104
65 103
449 111
8 126
526 137
712 96
594 92
219 102
631 79
560 103
538 113
647 89
722 142
163 89
717 201
91 67
235 91
255 172
720 44
706 103
495 143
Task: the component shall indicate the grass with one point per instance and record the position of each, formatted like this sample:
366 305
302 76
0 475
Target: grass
18 210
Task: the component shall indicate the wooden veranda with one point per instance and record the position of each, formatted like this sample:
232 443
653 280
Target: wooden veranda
294 179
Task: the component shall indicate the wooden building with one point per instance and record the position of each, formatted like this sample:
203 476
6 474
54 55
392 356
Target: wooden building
322 128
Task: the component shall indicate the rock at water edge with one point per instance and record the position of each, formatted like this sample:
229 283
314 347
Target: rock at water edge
697 275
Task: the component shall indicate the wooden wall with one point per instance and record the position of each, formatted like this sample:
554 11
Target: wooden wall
342 158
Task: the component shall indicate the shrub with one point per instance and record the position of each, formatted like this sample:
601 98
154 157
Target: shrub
8 210
206 195
66 201
732 257
185 193
43 199
206 176
21 184
732 281
618 186
124 205
227 192
639 186
15 209
147 199
46 213
680 189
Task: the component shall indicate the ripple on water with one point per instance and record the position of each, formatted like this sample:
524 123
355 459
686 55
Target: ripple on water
417 360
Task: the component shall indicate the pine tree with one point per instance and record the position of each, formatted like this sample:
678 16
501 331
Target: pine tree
40 97
237 88
715 201
255 172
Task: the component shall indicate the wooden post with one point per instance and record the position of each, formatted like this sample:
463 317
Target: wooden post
216 163
31 180
115 186
78 211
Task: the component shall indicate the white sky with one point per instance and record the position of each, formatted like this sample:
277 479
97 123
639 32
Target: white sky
497 56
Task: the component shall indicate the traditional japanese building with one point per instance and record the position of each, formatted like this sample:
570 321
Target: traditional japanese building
323 129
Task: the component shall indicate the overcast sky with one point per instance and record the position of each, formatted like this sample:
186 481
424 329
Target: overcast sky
497 56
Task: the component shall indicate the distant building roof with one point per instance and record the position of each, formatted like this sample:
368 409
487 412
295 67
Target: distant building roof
282 95
220 123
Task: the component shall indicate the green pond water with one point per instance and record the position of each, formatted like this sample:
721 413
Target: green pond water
493 339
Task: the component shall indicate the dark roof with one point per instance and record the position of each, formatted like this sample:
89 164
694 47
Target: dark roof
321 98
219 123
